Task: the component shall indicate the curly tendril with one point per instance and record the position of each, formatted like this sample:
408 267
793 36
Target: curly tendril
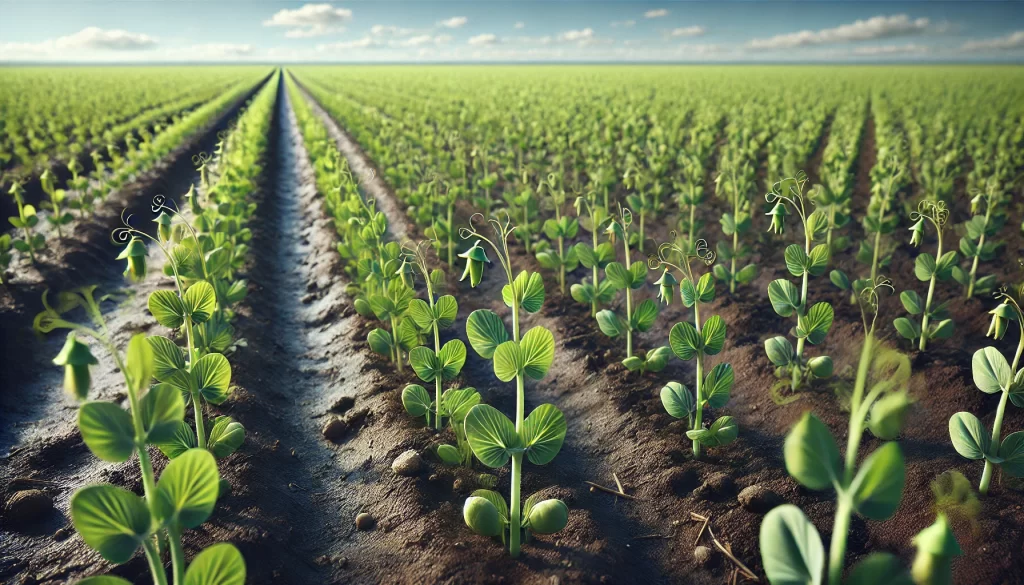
201 159
936 211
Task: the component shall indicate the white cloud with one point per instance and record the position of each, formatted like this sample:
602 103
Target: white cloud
688 31
519 25
882 50
454 22
877 27
484 39
659 13
88 39
623 23
1014 40
310 20
576 35
363 43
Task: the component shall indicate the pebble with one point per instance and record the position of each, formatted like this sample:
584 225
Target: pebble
27 507
408 464
457 484
335 430
364 521
61 534
758 498
702 555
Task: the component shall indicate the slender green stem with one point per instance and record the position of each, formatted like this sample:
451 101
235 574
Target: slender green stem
798 367
156 568
515 522
451 243
928 301
735 238
177 554
837 550
629 302
698 422
997 426
977 252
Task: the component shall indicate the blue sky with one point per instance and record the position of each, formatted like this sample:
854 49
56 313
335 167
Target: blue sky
429 31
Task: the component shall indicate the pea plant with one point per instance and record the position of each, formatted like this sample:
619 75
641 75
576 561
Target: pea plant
813 323
695 342
733 184
593 256
26 221
493 438
57 216
791 549
994 374
978 243
553 253
935 322
629 277
887 178
112 520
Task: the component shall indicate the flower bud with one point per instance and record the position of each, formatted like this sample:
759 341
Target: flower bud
1001 316
548 517
778 214
916 231
17 191
46 180
193 200
475 258
76 359
481 516
135 253
666 284
163 222
936 547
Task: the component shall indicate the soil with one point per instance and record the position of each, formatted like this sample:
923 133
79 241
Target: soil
296 495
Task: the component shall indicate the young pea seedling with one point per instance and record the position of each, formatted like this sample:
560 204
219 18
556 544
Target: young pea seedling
978 244
594 256
494 438
26 221
791 549
734 184
696 341
992 374
558 230
928 268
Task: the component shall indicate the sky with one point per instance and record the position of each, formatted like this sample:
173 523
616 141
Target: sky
421 31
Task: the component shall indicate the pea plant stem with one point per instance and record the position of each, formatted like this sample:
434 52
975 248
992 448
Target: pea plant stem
928 301
735 231
629 302
697 421
997 426
797 368
177 554
197 405
977 255
515 514
156 567
437 350
882 209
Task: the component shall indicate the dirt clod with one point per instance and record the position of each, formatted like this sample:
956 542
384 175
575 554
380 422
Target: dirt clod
716 486
364 521
702 555
408 464
343 404
758 498
61 534
27 507
335 430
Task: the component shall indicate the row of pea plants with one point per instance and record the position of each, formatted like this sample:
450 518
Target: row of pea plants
112 169
205 248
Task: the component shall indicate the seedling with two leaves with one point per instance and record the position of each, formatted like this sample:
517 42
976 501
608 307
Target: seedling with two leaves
553 254
26 221
935 322
594 256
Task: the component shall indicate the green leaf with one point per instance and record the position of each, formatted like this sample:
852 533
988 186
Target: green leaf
942 330
817 262
446 309
684 340
817 323
187 490
408 335
547 517
111 520
456 403
167 308
791 549
184 438
722 432
200 301
718 385
638 272
415 399
219 564
107 430
878 486
538 351
633 363
912 302
611 324
451 358
419 311
226 436
991 372
1011 451
528 287
644 315
705 287
618 275
380 341
497 500
811 454
168 361
747 274
162 410
140 366
879 569
211 377
491 435
688 292
796 260
907 328
543 434
677 400
449 455
508 361
713 333
485 331
425 363
103 580
970 439
779 350
839 279
784 296
924 266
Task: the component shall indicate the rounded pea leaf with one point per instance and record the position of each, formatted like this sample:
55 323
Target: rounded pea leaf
791 549
425 363
718 385
449 455
684 340
784 296
811 454
991 372
491 435
796 260
779 350
184 438
162 409
107 431
455 403
907 328
211 377
482 516
817 261
839 279
618 275
610 324
638 271
451 358
538 352
543 434
111 520
421 314
912 302
380 341
970 439
140 363
1011 451
677 400
219 564
548 516
167 308
508 361
817 323
445 311
485 331
187 490
168 361
879 569
416 400
878 486
713 333
528 287
497 500
644 315
721 432
226 436
200 301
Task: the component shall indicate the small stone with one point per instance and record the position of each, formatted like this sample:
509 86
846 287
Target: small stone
61 534
457 485
343 404
335 430
364 521
758 498
408 464
702 555
433 477
27 507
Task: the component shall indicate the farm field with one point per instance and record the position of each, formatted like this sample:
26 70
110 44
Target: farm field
352 324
